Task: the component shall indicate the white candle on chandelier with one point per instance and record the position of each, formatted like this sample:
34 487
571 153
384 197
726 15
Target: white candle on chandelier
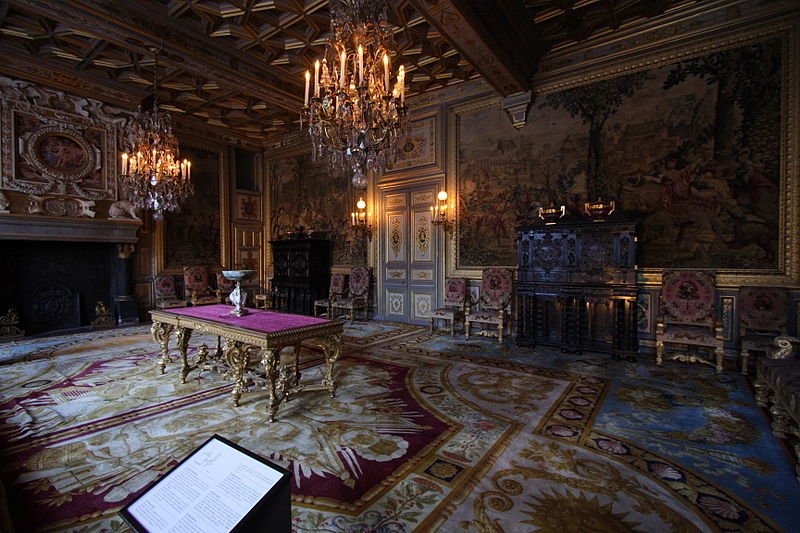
360 65
316 78
308 82
125 163
386 70
343 70
401 79
353 219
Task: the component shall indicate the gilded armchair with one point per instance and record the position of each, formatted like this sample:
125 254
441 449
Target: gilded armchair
166 293
687 318
197 288
358 293
336 291
763 315
497 291
454 305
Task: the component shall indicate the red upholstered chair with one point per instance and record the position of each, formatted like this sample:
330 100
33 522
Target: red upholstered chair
687 318
497 291
763 315
165 292
224 287
196 286
336 291
358 293
455 301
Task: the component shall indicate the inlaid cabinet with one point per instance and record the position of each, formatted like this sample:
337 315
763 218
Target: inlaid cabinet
577 286
302 273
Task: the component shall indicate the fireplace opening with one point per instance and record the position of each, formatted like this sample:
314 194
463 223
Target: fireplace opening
55 286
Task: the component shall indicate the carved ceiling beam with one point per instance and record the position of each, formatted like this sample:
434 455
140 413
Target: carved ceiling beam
468 30
98 47
61 76
140 25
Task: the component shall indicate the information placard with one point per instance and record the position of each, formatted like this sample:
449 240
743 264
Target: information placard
219 487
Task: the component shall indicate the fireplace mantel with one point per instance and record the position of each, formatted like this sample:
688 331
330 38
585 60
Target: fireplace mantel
48 228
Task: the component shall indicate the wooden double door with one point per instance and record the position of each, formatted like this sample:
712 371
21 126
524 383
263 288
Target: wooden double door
410 252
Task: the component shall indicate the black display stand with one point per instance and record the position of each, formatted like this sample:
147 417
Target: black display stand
219 487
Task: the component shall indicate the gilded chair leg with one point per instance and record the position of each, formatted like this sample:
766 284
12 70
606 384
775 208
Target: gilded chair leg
720 354
659 353
745 357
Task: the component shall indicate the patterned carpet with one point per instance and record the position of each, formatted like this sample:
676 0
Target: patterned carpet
425 434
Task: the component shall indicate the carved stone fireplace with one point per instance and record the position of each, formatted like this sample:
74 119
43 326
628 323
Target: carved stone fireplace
54 271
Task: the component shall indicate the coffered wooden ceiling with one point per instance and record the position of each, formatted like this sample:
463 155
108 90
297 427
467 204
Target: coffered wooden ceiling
236 66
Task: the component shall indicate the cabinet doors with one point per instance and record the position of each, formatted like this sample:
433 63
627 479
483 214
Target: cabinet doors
409 267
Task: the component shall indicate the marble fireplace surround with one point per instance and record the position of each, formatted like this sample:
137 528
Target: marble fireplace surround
55 269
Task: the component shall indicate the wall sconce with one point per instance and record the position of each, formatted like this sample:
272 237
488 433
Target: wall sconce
359 219
439 212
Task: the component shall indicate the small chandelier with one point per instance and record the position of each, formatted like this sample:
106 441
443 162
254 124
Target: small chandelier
151 170
355 116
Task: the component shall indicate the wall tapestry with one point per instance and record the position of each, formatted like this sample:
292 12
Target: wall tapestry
192 236
691 150
305 196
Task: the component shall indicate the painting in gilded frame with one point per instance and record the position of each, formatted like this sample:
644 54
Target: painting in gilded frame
691 150
420 150
55 153
248 207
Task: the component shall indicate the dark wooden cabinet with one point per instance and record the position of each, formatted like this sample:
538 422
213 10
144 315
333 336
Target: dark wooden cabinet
577 286
301 274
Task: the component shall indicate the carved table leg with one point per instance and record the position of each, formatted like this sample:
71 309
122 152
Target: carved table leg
236 358
332 346
184 334
270 359
161 333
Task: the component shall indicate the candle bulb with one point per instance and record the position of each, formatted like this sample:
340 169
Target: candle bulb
360 65
386 70
125 164
189 169
316 78
401 79
343 71
353 219
308 81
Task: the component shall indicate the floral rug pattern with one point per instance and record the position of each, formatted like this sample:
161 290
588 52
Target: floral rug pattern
425 434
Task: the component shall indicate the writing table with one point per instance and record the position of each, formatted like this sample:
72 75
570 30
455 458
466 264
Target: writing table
267 330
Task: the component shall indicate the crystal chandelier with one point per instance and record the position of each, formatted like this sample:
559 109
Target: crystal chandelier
151 171
354 114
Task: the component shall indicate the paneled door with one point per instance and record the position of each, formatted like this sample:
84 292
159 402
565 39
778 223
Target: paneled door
409 254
